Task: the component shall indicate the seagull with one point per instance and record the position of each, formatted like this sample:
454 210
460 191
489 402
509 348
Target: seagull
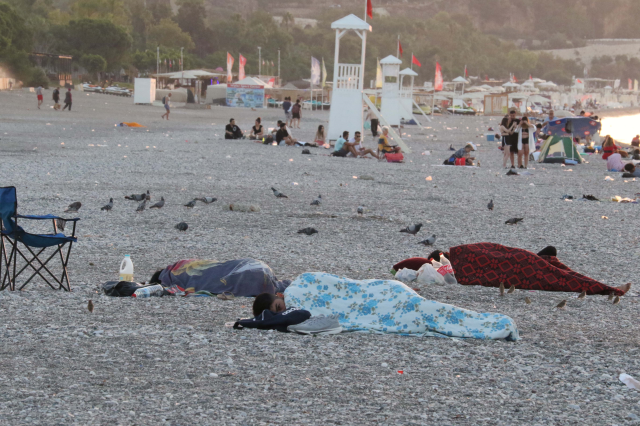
561 304
412 229
309 231
159 204
278 194
511 289
90 306
501 289
182 226
142 206
582 295
191 204
136 197
73 207
514 221
109 206
207 200
490 205
429 241
360 210
317 201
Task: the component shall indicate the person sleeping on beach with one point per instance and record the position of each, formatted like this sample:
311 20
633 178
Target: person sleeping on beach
630 171
242 277
383 306
489 264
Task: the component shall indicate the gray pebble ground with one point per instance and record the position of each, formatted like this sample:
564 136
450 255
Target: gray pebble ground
173 361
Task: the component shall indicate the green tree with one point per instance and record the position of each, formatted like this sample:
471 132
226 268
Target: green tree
168 34
94 64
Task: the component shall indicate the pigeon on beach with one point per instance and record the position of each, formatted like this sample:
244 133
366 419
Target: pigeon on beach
159 204
317 201
583 294
527 300
137 197
514 220
412 229
207 200
561 304
308 231
429 241
191 204
501 289
616 300
142 206
360 210
511 289
73 207
109 206
490 205
182 226
278 194
90 306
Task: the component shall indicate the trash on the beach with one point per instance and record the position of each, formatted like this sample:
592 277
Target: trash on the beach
569 170
246 208
608 178
366 177
406 275
605 217
294 183
567 197
426 153
629 381
400 372
429 178
619 199
355 177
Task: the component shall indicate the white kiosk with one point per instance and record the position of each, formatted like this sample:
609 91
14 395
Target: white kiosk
348 82
391 108
406 92
144 91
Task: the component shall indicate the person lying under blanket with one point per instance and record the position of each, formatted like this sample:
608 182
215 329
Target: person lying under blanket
383 306
489 264
241 277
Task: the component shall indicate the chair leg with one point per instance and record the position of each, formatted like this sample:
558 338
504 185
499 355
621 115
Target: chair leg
6 279
65 273
37 271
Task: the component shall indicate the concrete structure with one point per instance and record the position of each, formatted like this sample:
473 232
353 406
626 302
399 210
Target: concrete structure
391 107
348 81
406 91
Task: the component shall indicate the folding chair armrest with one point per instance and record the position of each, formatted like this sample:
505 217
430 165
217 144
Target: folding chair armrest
44 217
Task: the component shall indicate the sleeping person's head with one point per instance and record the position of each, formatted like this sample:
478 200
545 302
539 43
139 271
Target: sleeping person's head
268 301
155 278
629 168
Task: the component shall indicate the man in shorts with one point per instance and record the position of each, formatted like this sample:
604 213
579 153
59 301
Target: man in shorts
383 143
286 106
39 95
167 106
342 147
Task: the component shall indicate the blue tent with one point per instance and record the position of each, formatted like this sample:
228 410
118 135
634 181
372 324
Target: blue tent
572 126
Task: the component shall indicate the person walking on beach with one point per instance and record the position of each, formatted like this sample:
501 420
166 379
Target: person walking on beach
286 106
511 123
296 114
56 98
67 100
167 106
39 95
374 122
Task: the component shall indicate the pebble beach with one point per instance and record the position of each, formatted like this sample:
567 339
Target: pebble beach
173 361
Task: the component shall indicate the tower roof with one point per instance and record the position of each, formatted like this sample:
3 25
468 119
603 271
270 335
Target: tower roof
391 60
351 22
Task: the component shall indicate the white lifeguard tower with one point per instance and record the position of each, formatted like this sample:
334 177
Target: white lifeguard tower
406 91
348 82
391 107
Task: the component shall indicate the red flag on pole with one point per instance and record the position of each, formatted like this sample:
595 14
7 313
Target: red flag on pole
466 73
415 60
630 84
230 62
530 78
400 47
438 82
369 9
241 63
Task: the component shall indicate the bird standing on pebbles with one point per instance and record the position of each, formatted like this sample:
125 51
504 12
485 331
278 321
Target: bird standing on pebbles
527 300
514 221
616 300
429 241
191 204
309 231
490 205
561 304
412 229
182 226
207 200
142 206
278 194
73 207
583 294
159 204
610 296
501 289
108 206
317 201
360 210
511 289
90 306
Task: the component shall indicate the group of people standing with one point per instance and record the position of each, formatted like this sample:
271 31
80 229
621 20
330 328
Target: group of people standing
292 112
56 98
518 137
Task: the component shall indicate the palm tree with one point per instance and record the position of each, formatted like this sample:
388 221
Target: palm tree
288 19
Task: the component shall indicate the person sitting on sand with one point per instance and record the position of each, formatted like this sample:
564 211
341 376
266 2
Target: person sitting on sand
342 147
462 153
608 147
384 306
615 163
630 171
321 137
489 264
257 131
383 143
636 141
361 151
242 277
283 135
232 131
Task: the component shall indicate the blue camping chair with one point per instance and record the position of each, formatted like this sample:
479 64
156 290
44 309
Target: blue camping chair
11 234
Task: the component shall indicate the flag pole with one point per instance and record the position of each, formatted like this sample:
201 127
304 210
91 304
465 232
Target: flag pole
365 10
398 48
411 61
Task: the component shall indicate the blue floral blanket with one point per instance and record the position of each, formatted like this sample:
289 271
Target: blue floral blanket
388 306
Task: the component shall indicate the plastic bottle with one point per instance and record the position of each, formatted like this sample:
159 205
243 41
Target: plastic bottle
126 269
150 291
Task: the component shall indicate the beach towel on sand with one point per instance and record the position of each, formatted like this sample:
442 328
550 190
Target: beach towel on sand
387 306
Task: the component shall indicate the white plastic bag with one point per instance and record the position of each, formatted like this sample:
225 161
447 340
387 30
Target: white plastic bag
428 275
629 381
447 271
406 275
